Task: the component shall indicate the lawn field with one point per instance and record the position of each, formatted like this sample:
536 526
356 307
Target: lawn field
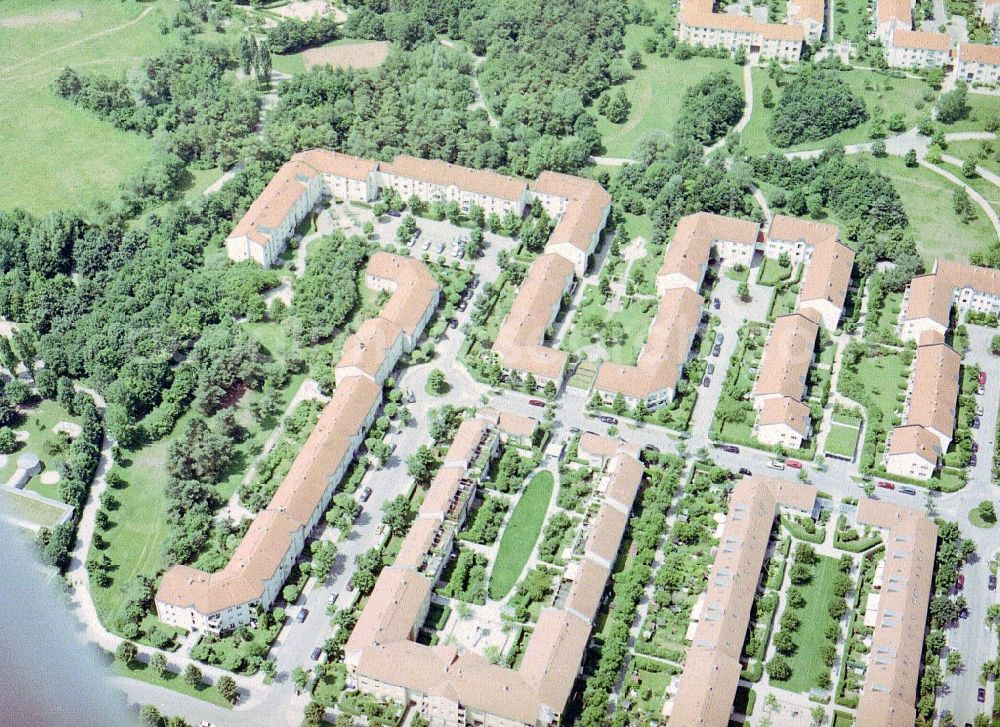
807 661
520 534
20 507
656 93
172 680
983 107
56 154
973 150
927 199
43 441
842 440
903 95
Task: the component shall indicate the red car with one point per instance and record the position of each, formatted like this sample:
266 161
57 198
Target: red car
886 485
794 464
960 582
536 402
982 378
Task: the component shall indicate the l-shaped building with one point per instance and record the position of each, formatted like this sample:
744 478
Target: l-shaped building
218 602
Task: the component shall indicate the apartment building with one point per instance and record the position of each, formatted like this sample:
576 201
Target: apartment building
453 687
928 415
660 365
218 602
520 341
917 49
893 671
698 24
695 240
581 205
810 15
712 667
977 63
432 180
780 389
928 299
414 293
889 15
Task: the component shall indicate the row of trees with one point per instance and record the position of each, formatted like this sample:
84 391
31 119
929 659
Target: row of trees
291 35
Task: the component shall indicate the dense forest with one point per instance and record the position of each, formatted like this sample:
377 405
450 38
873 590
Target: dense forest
814 104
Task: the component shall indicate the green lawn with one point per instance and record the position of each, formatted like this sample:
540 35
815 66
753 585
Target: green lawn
43 441
783 301
521 533
656 92
20 507
974 150
927 199
140 522
144 673
57 154
983 107
856 20
842 440
773 272
807 661
904 95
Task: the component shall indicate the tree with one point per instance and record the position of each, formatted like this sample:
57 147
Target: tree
878 149
126 652
954 662
800 574
192 676
987 511
227 688
910 159
150 716
300 677
436 382
818 715
247 53
396 513
779 669
767 97
954 105
315 712
743 291
969 169
618 107
784 643
619 406
963 206
158 662
262 62
995 345
422 464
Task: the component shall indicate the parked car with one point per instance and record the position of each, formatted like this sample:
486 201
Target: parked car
365 494
975 423
906 490
716 350
982 378
886 485
316 653
731 448
350 586
716 304
393 213
776 465
745 472
439 248
609 420
453 323
963 613
981 390
794 464
979 411
960 582
536 402
302 615
574 430
719 338
980 695
973 459
426 245
706 382
710 369
992 583
975 446
331 599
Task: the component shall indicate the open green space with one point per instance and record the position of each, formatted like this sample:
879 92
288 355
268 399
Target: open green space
852 20
807 661
773 272
521 533
893 95
141 519
655 92
842 440
28 510
50 446
927 199
977 519
143 672
974 150
621 334
57 154
982 107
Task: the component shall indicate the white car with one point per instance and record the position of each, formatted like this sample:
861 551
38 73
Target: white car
776 465
426 245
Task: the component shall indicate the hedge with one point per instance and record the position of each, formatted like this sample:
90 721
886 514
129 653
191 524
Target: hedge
800 533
